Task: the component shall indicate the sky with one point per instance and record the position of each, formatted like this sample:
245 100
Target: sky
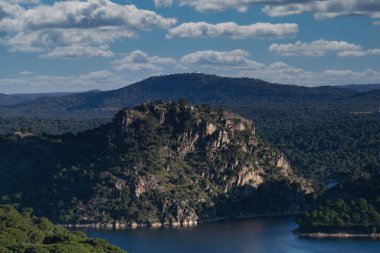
72 45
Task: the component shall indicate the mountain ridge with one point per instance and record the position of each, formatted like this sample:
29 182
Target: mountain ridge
196 88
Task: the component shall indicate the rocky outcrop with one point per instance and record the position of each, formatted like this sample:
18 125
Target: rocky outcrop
211 153
169 164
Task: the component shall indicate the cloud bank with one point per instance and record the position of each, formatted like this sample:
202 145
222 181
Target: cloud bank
321 9
321 48
233 30
235 63
59 30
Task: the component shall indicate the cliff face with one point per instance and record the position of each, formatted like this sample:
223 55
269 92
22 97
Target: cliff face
172 163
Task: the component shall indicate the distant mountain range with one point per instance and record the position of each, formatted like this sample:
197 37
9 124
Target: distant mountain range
362 87
13 99
196 88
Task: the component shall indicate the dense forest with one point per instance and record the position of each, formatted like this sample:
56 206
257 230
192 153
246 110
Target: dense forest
22 232
325 146
350 207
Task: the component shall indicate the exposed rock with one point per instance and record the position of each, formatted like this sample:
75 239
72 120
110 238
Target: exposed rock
172 164
139 187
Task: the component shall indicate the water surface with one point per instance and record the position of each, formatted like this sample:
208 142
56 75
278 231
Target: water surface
259 235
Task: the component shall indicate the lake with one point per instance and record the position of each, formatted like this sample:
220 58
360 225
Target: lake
259 235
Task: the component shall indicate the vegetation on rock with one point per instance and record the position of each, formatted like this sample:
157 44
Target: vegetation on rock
159 163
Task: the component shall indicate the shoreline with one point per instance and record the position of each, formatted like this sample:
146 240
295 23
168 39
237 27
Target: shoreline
246 217
319 235
187 223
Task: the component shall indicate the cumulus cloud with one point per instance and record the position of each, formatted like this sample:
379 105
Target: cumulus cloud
238 59
50 83
321 48
233 30
140 61
377 23
77 24
327 8
275 8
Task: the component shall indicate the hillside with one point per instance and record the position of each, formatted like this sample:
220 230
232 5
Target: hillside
324 131
346 208
159 163
14 99
196 88
362 87
23 232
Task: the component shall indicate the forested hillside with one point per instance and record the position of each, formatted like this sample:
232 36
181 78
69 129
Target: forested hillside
350 207
324 130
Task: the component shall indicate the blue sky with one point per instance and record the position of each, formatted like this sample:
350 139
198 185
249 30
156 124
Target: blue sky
50 45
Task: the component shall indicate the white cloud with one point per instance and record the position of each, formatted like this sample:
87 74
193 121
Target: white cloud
350 76
90 14
327 8
377 22
220 5
281 72
227 63
85 24
25 73
79 52
140 61
233 30
315 48
23 1
163 3
359 53
237 59
28 82
321 48
320 8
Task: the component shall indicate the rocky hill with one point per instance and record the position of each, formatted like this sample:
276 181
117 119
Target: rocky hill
158 163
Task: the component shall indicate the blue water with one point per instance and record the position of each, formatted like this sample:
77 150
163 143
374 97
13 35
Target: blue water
260 235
